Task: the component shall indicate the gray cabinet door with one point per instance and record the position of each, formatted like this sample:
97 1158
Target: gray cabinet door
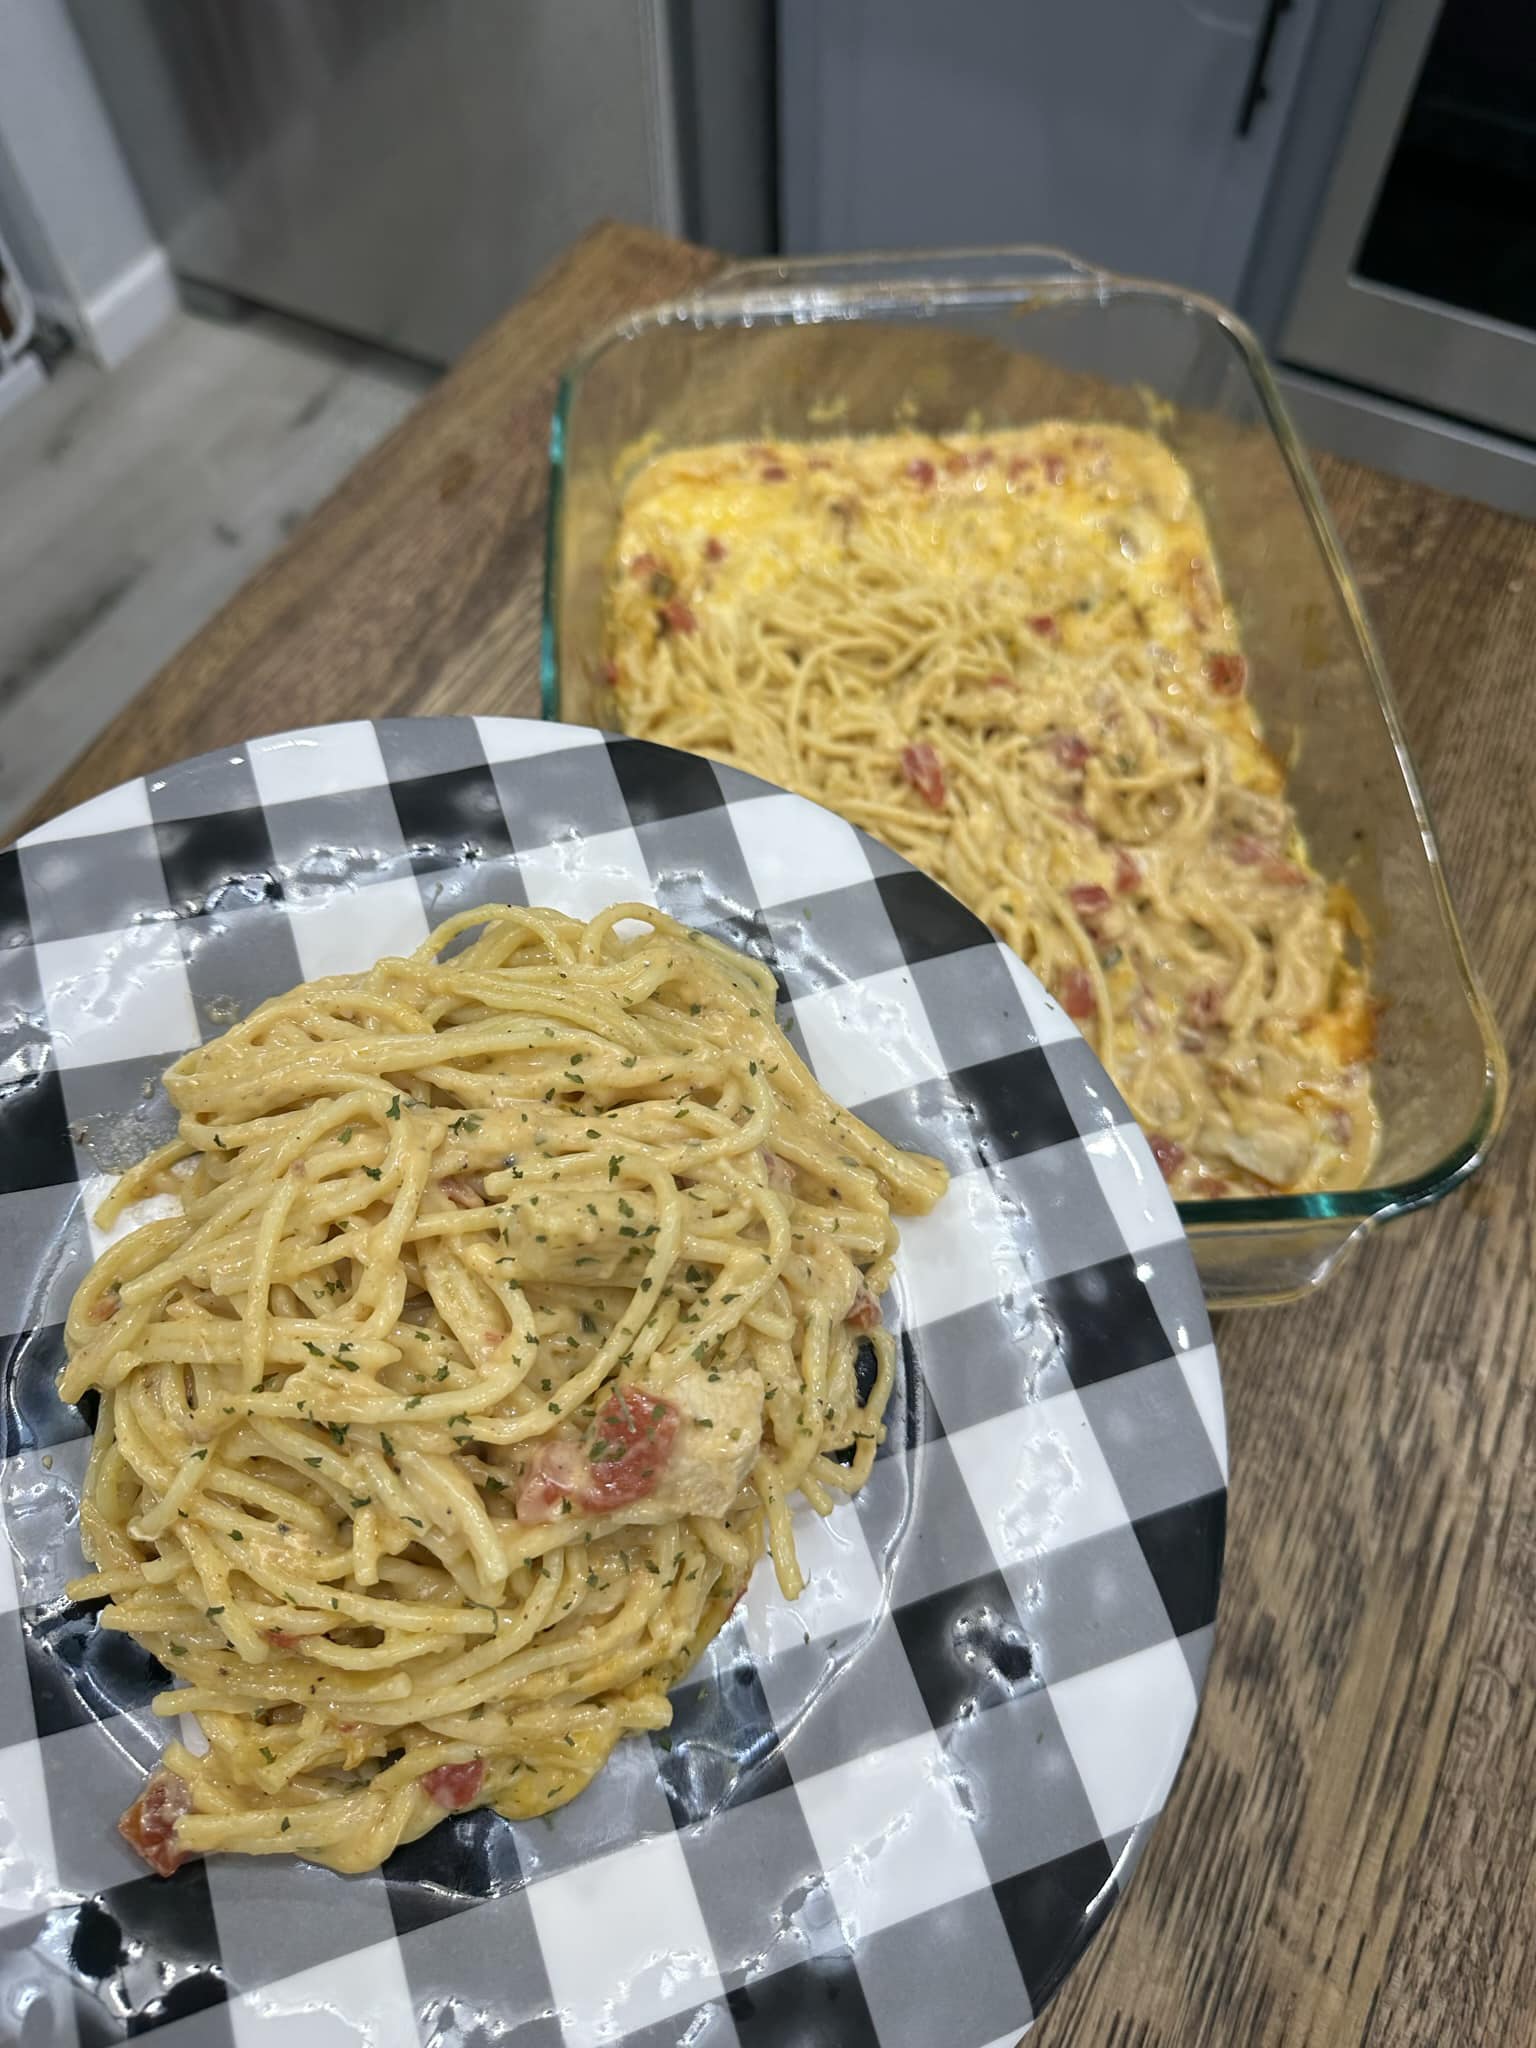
1109 127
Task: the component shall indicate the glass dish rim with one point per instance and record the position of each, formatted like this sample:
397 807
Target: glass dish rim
810 288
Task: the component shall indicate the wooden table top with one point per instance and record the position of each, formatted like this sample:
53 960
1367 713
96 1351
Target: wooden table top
1347 1855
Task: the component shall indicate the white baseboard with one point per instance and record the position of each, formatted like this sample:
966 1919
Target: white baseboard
135 305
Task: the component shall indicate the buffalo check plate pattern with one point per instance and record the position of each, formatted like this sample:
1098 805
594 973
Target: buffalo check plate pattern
893 1814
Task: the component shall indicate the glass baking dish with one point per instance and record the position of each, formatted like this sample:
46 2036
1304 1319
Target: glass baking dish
986 339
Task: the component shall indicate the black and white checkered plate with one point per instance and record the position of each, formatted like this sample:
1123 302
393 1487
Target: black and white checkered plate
892 1814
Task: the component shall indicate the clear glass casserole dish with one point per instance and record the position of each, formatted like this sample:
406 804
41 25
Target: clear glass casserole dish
988 339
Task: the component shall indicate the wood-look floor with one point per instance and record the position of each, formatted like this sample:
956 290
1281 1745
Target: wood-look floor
133 504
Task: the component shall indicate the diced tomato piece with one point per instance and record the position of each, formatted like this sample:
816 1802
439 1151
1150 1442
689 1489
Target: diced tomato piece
1212 1188
957 464
1127 872
1226 674
984 457
611 675
629 1443
677 617
1020 465
1088 898
1249 852
1000 682
1202 1006
1168 1153
773 472
643 565
1043 623
149 1825
455 1786
922 472
1074 992
1072 751
1055 469
921 765
865 1313
714 550
280 1639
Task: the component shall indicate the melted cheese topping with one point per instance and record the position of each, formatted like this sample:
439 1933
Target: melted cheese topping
1010 658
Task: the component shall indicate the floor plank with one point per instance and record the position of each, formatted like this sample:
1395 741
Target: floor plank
132 505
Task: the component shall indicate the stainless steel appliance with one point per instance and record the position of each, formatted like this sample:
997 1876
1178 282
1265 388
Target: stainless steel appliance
402 169
1417 298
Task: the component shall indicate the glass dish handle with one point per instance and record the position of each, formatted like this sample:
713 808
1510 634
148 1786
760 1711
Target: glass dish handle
1028 261
865 279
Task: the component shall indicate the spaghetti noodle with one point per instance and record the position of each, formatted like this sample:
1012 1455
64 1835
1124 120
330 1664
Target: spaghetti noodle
1010 659
510 1292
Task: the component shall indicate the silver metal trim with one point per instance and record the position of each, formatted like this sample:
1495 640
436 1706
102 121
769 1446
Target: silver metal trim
659 93
1405 441
1350 326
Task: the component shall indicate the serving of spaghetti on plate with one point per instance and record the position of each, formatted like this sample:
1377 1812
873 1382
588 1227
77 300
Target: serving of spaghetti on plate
961 1730
510 1293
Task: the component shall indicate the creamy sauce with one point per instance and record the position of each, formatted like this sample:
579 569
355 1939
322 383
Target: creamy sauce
1009 657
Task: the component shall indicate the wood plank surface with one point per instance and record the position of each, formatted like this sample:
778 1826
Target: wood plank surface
1347 1856
1348 1853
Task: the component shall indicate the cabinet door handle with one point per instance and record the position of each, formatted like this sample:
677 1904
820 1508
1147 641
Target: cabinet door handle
1256 92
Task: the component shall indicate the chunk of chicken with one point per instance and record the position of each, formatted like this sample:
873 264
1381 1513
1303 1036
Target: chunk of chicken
687 1452
1273 1143
824 1272
720 1427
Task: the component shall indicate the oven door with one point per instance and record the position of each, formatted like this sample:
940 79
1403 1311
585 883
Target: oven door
1421 277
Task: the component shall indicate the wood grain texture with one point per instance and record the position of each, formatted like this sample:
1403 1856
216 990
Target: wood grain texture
1347 1855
